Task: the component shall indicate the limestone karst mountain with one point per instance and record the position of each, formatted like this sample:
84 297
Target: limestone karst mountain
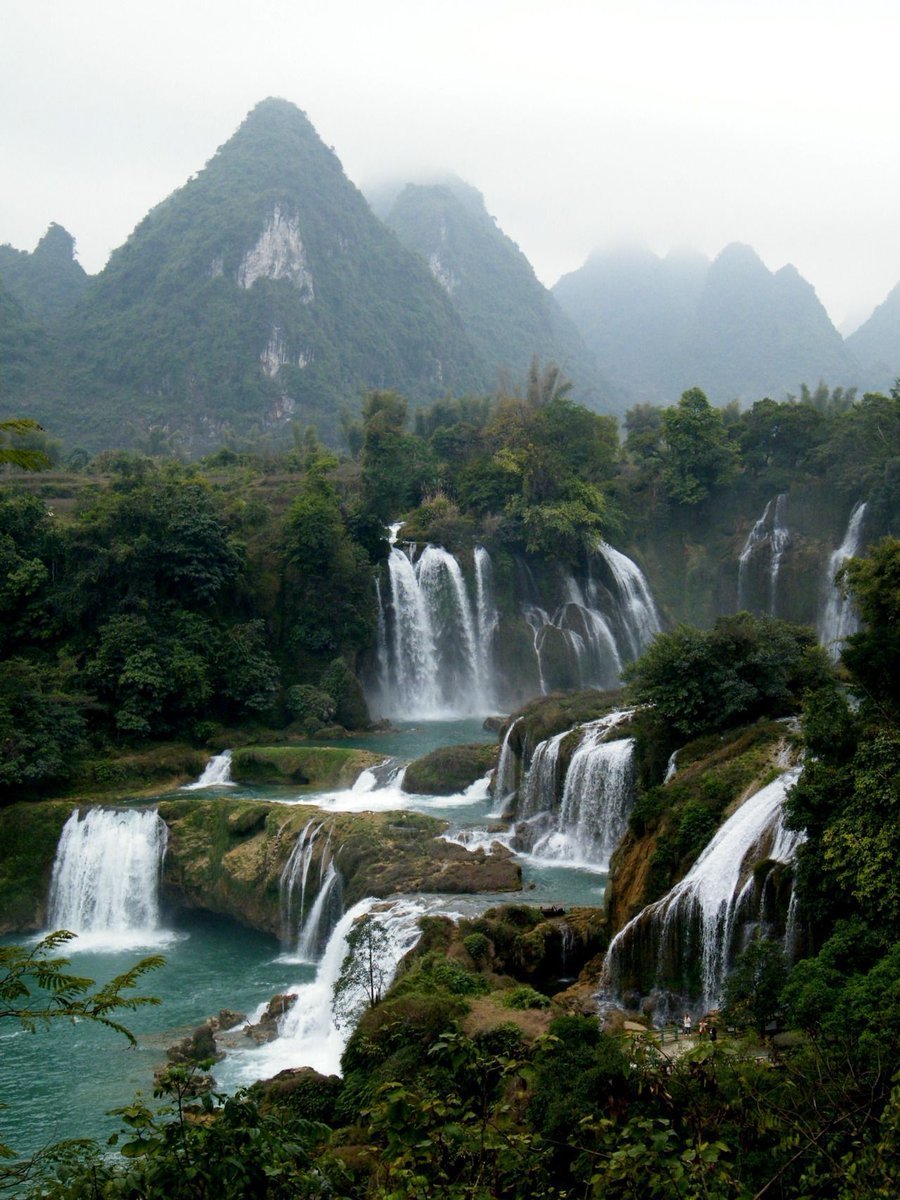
48 282
876 344
505 309
264 291
732 327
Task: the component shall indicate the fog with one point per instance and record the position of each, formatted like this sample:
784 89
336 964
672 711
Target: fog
583 123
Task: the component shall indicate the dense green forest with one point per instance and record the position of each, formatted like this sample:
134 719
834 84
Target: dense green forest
167 600
146 600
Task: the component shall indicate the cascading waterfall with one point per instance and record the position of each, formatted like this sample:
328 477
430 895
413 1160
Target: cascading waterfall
294 874
581 818
105 882
487 617
705 907
597 797
541 786
436 633
434 653
319 918
309 1035
839 619
770 532
216 773
637 610
506 775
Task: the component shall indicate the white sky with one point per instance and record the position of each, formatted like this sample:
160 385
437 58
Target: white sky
669 122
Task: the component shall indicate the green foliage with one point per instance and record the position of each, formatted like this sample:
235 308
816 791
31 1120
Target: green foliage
310 707
478 948
698 454
873 655
742 668
523 997
753 987
41 727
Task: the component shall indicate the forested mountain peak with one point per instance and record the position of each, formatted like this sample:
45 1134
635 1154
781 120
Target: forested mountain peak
506 311
262 291
876 343
48 281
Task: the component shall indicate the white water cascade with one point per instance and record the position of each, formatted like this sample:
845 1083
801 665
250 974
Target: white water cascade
216 773
320 917
309 1035
699 917
105 882
436 652
578 819
505 779
770 534
637 609
434 646
839 618
597 796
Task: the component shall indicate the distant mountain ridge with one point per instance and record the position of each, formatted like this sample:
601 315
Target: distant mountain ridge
732 326
262 291
265 293
507 312
876 344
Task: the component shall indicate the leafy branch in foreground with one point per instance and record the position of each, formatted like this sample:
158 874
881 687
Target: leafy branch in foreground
37 986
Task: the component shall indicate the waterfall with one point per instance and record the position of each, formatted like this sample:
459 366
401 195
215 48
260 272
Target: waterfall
636 608
769 532
105 882
434 651
217 773
309 1035
323 915
436 632
702 912
542 781
839 619
319 918
295 871
487 617
506 775
671 766
579 819
597 796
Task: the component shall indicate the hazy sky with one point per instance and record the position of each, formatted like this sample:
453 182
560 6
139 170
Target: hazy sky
670 122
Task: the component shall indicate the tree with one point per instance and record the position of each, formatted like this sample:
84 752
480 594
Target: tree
366 971
36 987
753 988
698 453
742 668
27 458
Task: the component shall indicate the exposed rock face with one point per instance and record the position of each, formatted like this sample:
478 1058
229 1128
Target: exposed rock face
279 254
228 856
449 769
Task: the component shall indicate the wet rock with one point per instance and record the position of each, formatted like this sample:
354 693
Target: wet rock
266 1029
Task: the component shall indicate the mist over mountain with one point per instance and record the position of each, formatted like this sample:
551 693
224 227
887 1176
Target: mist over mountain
507 312
732 327
262 291
635 312
876 344
266 293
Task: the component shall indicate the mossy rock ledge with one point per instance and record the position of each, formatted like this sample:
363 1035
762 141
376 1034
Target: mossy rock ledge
449 769
29 833
315 766
227 856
